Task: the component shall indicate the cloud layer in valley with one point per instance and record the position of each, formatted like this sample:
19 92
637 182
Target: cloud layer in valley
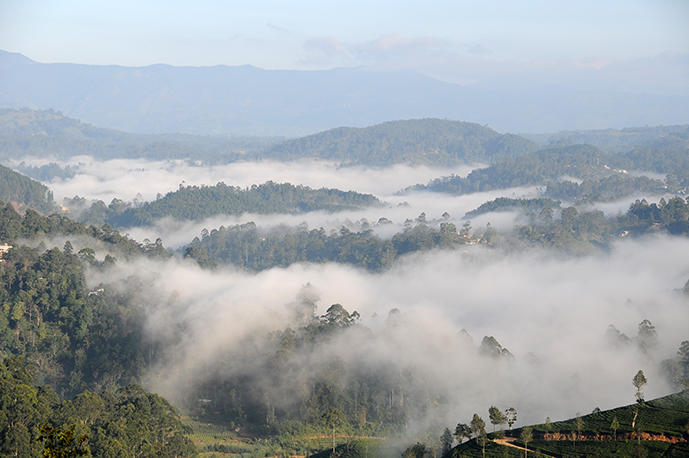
550 312
128 178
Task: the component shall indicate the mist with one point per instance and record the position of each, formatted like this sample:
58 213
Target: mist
129 179
550 311
398 209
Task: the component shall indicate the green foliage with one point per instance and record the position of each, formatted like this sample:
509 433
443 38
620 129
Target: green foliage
478 426
529 206
368 400
63 442
197 202
47 133
34 226
124 422
421 141
462 431
604 189
76 336
15 187
621 140
531 169
638 381
604 176
601 448
663 416
248 247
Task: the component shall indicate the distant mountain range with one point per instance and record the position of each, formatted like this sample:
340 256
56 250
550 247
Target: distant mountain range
246 100
420 141
48 133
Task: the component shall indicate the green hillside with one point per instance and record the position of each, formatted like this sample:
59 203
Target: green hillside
15 187
661 428
615 140
419 141
196 202
603 176
49 133
580 161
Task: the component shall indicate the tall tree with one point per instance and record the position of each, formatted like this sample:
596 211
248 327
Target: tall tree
614 426
526 437
446 441
462 431
496 416
638 381
511 415
333 419
478 427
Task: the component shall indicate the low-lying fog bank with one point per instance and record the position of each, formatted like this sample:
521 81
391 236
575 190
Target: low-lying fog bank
550 311
128 179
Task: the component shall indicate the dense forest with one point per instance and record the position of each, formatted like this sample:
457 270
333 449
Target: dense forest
121 422
423 141
24 191
530 207
76 316
197 202
249 247
34 226
49 133
317 377
615 140
63 340
78 337
532 169
549 225
602 176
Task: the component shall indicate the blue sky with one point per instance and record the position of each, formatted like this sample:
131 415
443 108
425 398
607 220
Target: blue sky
632 45
321 34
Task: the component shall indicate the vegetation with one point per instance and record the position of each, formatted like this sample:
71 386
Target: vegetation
197 202
533 207
617 140
652 428
124 422
421 141
34 226
527 170
248 247
48 133
15 187
602 176
604 189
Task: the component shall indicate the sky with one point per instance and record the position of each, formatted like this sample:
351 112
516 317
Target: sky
324 34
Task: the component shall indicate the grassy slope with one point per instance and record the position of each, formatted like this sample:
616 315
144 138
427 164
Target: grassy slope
666 416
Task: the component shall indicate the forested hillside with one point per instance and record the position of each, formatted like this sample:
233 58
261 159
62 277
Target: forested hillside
616 140
422 141
549 225
248 247
197 202
536 168
15 187
50 134
603 176
123 422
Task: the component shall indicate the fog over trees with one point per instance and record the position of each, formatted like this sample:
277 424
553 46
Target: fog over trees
343 262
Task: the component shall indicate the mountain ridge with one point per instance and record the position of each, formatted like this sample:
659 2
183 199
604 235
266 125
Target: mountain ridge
248 100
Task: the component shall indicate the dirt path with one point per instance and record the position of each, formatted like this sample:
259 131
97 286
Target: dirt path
340 436
508 443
